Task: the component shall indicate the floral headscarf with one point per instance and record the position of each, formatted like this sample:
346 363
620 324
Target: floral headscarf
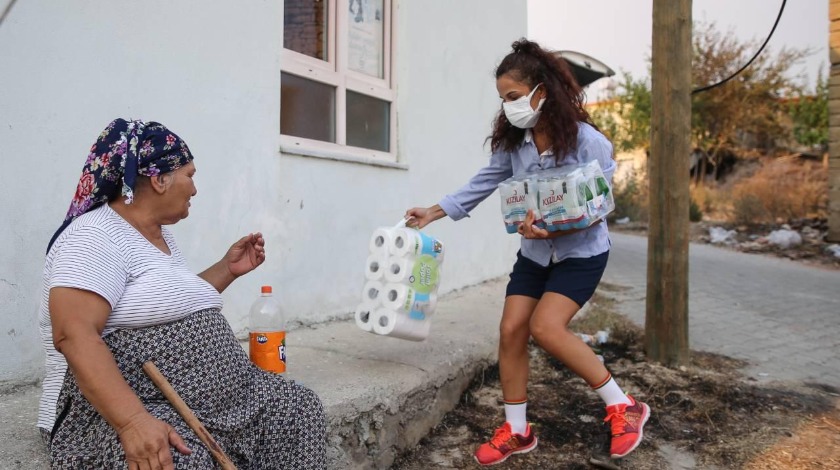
124 150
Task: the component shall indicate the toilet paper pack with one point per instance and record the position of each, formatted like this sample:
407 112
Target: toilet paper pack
364 315
381 240
390 323
402 275
372 292
404 299
421 273
375 266
409 242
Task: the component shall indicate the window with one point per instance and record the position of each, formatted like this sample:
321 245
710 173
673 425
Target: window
337 90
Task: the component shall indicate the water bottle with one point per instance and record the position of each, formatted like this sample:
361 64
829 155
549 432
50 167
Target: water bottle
267 341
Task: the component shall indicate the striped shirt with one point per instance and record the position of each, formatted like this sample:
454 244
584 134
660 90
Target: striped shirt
102 253
591 145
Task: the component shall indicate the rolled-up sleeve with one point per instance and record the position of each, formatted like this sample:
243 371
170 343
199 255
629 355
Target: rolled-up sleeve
458 205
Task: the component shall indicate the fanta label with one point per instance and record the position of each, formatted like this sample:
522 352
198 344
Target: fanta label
268 350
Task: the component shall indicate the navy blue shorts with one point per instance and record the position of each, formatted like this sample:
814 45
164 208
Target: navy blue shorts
576 278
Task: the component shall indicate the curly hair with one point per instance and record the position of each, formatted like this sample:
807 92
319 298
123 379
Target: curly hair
563 108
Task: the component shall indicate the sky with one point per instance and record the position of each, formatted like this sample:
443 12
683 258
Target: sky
618 32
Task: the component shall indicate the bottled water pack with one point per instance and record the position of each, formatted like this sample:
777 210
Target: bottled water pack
563 198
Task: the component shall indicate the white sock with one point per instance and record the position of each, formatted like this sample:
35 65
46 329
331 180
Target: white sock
611 393
515 415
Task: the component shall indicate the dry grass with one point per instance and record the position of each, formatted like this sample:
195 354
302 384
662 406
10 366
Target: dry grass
781 189
760 190
814 444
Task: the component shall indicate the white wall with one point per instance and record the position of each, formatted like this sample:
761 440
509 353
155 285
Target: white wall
210 71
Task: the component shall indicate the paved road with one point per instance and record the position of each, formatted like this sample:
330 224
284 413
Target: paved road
781 316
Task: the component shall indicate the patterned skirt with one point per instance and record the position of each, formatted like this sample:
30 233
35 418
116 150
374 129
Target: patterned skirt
261 420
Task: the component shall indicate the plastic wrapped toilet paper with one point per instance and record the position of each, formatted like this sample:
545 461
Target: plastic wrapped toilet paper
375 267
402 274
381 240
373 292
421 273
403 299
397 269
365 314
410 242
398 325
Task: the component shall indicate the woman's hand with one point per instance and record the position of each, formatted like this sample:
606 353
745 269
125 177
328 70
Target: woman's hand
245 255
147 442
530 231
419 217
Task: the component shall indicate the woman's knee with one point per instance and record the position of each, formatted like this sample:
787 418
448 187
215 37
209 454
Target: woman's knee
513 333
543 330
310 405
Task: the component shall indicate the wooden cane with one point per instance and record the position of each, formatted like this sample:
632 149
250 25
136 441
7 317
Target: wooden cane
187 414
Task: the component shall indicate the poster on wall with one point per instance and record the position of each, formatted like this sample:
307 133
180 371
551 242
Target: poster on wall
365 36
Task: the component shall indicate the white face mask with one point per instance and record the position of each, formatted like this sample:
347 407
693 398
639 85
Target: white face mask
519 112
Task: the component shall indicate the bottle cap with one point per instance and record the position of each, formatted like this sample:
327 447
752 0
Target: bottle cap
265 289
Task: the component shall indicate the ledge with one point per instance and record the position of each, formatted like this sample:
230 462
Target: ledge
360 157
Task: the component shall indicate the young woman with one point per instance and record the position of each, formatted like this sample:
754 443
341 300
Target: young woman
543 125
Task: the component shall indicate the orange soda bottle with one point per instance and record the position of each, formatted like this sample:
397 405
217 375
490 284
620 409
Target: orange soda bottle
267 325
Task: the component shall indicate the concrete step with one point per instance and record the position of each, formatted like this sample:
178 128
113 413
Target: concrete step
382 395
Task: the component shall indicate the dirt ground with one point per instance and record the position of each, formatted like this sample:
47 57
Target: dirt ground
704 416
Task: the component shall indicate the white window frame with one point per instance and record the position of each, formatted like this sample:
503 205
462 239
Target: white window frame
335 72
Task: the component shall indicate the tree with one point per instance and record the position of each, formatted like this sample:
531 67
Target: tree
748 111
625 117
810 116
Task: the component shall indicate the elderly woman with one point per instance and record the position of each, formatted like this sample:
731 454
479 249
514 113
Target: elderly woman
118 292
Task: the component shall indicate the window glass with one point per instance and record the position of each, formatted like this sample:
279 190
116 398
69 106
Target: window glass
365 33
307 108
368 122
305 27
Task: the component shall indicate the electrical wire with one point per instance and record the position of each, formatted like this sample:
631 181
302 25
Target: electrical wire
6 11
709 87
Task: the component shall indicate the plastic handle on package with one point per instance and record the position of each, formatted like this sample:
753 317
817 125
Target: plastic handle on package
402 223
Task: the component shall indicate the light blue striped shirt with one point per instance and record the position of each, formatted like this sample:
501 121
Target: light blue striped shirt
591 145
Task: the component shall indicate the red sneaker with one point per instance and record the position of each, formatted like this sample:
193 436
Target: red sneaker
504 444
626 423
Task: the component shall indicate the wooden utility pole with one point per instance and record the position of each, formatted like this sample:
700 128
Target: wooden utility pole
666 320
834 122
